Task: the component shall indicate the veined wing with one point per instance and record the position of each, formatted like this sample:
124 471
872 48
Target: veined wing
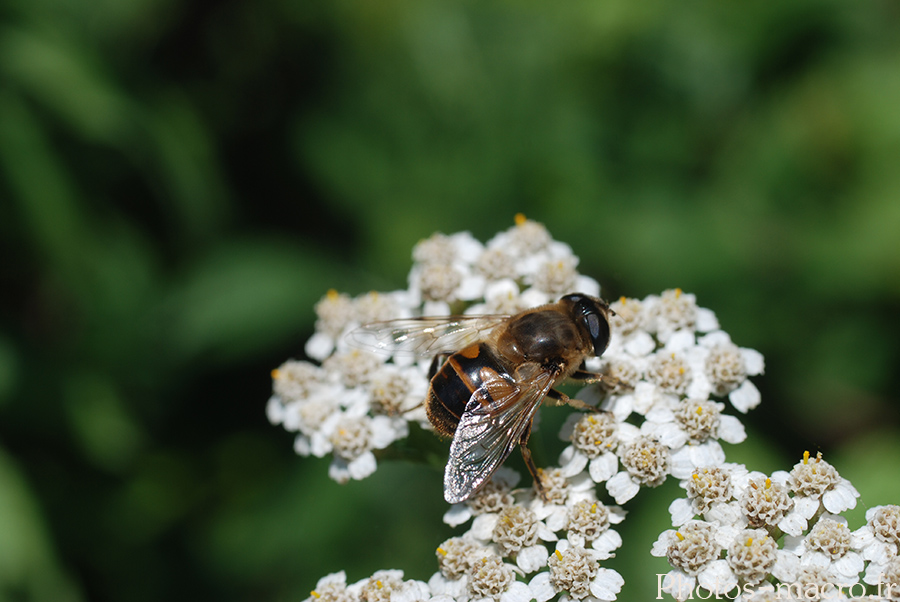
492 424
426 335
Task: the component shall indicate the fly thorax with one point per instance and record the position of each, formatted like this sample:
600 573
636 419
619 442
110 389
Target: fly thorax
543 335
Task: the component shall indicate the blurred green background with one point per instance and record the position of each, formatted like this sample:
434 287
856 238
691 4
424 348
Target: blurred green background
181 181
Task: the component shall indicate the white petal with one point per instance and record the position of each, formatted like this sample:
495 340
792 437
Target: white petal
385 430
541 588
506 476
879 552
815 559
793 524
471 287
608 541
850 565
532 558
338 471
621 406
581 487
717 578
782 477
571 461
606 584
786 566
680 341
700 386
545 533
728 513
726 534
715 337
622 488
843 497
483 526
870 513
532 297
678 584
669 434
660 413
441 586
640 344
302 445
745 398
517 592
731 430
603 467
468 248
682 510
319 346
435 308
457 514
628 433
861 537
412 591
362 466
557 521
794 544
587 285
754 363
683 462
338 578
806 506
576 539
616 514
504 288
275 410
645 396
706 320
320 444
568 426
874 574
660 547
709 454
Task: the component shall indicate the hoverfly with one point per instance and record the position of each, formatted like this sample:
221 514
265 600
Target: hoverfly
497 370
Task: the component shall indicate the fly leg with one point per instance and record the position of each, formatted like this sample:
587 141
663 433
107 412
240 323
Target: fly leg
562 399
587 377
526 455
607 380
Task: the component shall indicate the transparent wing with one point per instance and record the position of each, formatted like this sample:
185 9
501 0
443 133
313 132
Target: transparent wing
426 335
494 420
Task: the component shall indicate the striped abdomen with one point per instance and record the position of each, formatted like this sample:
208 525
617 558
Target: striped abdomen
462 374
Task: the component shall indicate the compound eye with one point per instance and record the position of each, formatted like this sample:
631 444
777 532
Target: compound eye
593 324
598 327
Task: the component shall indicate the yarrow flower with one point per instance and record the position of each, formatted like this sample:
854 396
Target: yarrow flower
782 531
662 401
666 358
667 362
354 402
576 572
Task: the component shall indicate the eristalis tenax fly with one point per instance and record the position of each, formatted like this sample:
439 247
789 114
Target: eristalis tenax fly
496 371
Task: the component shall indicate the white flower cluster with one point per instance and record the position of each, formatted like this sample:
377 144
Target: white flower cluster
506 556
517 526
355 401
667 375
746 535
666 363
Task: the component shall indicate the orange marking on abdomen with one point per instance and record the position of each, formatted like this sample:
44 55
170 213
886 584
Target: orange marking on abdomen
470 352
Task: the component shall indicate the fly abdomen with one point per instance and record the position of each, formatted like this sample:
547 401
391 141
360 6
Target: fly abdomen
462 374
